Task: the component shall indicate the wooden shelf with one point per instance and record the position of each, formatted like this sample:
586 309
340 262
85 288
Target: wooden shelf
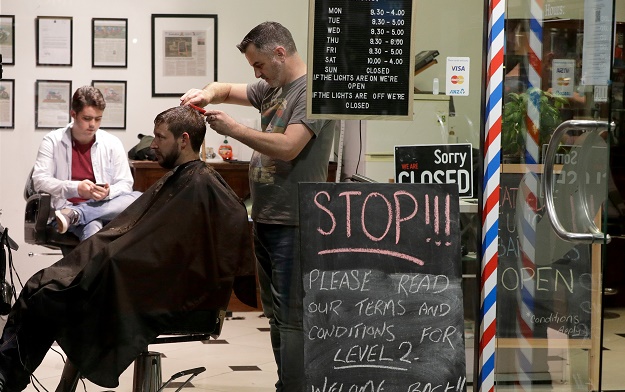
584 344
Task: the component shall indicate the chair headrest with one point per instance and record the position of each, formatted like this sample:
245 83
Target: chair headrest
29 187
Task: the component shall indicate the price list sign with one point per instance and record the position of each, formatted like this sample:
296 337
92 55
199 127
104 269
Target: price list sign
360 60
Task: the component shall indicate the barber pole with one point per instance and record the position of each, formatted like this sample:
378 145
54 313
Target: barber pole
490 203
528 205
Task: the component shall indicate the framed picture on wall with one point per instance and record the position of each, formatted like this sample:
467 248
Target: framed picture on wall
54 40
7 39
109 45
114 92
7 103
184 53
52 103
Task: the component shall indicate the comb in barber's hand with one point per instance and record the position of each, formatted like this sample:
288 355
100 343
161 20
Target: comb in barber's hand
199 109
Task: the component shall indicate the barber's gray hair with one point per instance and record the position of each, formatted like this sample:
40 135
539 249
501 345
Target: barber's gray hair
267 36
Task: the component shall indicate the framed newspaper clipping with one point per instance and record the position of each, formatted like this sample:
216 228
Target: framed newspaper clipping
7 39
7 104
109 45
52 103
184 53
114 92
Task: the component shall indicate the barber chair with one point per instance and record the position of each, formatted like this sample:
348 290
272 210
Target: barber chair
38 212
198 325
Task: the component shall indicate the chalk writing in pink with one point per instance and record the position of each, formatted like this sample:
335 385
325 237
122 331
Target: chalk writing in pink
436 216
375 251
322 232
447 212
427 209
402 208
348 210
398 218
389 211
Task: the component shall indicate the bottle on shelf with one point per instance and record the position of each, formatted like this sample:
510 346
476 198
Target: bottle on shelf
210 153
452 136
225 150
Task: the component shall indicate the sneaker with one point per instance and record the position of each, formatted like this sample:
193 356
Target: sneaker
65 218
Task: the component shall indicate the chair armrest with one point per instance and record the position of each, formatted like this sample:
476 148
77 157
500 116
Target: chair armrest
36 218
36 228
193 326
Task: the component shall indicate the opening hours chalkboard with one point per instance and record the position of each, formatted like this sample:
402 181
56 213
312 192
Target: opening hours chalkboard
382 287
360 59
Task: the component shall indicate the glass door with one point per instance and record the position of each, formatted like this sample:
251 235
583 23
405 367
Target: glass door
555 138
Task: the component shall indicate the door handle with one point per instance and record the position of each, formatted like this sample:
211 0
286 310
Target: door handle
594 235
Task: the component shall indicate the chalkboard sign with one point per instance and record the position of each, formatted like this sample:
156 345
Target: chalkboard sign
436 163
360 59
382 287
558 291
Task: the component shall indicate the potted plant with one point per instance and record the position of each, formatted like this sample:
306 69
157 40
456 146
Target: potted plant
513 127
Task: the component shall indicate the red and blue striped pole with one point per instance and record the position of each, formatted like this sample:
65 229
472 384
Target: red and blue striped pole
490 203
527 213
532 120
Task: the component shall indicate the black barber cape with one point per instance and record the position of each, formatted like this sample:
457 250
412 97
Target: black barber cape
176 249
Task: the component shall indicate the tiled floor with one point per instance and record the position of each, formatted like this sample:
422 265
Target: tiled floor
614 351
241 360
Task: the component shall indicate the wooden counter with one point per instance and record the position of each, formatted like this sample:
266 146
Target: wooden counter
146 173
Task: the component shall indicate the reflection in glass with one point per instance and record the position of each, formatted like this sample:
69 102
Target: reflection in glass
549 290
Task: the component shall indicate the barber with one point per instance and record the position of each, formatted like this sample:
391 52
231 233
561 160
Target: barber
290 149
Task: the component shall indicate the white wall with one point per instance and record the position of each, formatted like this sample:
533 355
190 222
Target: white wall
455 29
619 10
18 147
437 27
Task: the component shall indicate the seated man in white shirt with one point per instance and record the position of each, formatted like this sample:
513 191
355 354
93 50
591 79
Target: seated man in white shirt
84 169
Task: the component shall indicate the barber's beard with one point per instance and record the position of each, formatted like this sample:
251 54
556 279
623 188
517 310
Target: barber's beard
277 74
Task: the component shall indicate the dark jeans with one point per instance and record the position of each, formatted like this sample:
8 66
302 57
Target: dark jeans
277 254
21 351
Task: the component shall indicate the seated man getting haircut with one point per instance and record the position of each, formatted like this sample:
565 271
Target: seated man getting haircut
180 247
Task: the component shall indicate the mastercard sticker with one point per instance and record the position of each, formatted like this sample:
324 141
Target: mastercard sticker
563 81
457 79
562 77
457 76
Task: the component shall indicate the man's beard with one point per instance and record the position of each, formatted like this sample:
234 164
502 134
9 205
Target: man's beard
169 161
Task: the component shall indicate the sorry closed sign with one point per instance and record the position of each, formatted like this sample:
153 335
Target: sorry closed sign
436 164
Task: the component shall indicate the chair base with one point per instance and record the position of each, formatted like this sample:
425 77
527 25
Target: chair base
197 326
69 378
147 375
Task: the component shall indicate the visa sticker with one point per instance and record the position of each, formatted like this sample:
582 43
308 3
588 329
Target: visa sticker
457 76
